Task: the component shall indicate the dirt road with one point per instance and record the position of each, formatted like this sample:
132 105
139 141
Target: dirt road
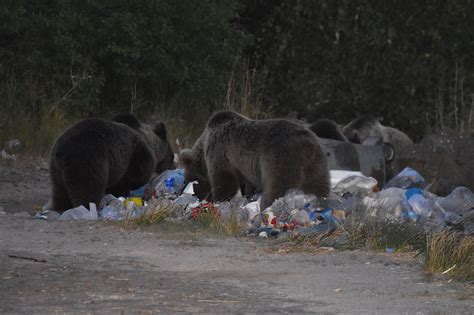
83 267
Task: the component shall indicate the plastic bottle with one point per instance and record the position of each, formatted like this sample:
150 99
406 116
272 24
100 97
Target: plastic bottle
225 211
114 208
301 217
243 215
388 204
111 213
356 184
459 201
407 178
431 214
418 203
80 213
168 182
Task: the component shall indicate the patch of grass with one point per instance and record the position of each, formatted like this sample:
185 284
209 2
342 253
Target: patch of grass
36 132
158 212
312 243
28 115
381 235
155 212
445 252
212 221
450 251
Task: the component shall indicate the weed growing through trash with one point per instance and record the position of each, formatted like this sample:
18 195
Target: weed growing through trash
212 221
158 212
155 213
451 253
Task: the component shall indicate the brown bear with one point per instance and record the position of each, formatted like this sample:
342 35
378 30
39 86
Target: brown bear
363 127
162 147
328 129
271 155
97 156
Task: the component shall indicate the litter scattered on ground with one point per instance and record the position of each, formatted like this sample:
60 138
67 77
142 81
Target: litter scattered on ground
402 200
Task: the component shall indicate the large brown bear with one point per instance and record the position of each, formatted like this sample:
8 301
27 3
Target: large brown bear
96 156
271 155
162 147
328 129
363 127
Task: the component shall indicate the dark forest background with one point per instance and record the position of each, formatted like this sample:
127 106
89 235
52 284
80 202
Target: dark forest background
409 63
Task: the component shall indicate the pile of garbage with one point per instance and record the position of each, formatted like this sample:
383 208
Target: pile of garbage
403 199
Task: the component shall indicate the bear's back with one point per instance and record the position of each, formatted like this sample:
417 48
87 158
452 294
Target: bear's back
93 139
261 137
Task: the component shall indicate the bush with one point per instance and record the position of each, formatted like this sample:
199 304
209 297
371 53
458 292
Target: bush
96 58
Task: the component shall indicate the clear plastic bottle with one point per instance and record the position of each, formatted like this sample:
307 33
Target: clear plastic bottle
418 203
407 178
459 201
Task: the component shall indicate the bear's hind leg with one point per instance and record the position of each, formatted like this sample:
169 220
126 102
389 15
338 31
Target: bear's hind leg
86 190
60 196
277 181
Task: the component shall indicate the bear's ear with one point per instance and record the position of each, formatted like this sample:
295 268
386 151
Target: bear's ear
388 151
160 130
186 156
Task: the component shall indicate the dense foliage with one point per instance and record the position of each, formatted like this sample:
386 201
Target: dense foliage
409 63
97 56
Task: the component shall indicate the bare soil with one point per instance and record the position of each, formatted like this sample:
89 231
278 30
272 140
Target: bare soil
93 267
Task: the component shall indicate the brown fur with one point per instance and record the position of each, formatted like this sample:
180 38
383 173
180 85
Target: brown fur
271 155
363 127
156 137
96 156
326 128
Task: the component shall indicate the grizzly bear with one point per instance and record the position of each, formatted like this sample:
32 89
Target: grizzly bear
271 155
363 127
97 156
162 147
328 129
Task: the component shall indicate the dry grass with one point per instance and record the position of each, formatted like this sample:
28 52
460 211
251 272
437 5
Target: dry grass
158 210
382 235
372 235
244 95
445 252
155 212
212 221
451 253
35 132
308 243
